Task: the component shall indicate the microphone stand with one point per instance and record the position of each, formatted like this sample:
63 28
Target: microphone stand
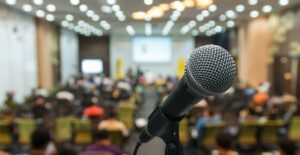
170 134
171 138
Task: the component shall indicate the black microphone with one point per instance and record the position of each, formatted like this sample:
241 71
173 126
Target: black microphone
209 70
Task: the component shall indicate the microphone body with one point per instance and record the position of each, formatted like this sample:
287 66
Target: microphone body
167 113
210 70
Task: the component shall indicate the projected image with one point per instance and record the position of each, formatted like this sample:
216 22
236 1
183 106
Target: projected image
92 66
152 49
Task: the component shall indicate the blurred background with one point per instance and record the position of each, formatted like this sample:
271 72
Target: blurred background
82 76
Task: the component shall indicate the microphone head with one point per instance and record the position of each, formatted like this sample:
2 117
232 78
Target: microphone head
210 70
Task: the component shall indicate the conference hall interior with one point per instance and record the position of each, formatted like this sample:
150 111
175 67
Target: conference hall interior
83 77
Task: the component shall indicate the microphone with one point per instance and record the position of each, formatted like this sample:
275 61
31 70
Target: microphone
210 70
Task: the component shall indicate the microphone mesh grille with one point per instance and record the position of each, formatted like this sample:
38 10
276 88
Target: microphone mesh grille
210 70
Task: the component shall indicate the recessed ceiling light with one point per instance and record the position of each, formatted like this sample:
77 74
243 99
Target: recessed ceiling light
205 13
252 2
148 29
111 2
222 17
184 29
11 2
51 7
90 13
218 29
138 15
211 23
116 7
202 28
69 17
267 8
240 8
189 3
283 2
231 14
122 18
156 12
148 2
95 18
106 9
195 32
164 6
199 18
27 7
38 2
130 30
208 33
254 14
230 23
174 17
83 8
212 8
119 13
40 13
75 2
192 23
50 17
177 5
64 23
167 28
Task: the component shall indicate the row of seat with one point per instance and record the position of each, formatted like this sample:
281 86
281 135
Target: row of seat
67 129
253 132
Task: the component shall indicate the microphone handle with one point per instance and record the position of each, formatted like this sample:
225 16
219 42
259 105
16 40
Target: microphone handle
179 101
171 111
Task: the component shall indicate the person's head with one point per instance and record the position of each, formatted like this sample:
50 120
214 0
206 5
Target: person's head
208 113
40 138
101 136
225 142
287 148
40 100
10 95
94 100
112 115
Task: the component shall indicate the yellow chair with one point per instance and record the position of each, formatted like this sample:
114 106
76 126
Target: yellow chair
126 112
294 129
63 129
248 133
210 134
82 132
5 134
269 133
116 137
25 128
183 132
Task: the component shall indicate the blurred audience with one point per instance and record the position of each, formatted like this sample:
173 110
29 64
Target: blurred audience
287 148
208 117
113 124
225 145
103 144
93 110
41 143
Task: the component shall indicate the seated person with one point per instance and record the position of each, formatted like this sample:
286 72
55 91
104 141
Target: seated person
103 144
287 148
112 124
93 110
208 118
67 151
41 143
225 145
